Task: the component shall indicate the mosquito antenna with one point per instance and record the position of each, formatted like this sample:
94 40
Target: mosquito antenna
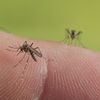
13 47
11 50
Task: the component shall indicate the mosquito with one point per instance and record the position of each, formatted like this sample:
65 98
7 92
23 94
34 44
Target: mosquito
72 35
26 48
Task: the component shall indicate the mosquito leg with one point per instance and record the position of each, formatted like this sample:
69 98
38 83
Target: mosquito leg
31 44
27 62
67 38
20 60
19 53
38 49
70 41
67 30
81 44
64 40
79 33
79 41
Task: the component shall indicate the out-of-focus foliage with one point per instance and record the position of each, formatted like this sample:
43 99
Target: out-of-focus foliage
47 19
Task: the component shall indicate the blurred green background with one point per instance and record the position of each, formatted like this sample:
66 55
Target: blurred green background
47 19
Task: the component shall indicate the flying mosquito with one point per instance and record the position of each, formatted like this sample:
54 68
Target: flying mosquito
26 48
72 35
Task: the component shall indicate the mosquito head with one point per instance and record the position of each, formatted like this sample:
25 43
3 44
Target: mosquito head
25 44
73 34
24 47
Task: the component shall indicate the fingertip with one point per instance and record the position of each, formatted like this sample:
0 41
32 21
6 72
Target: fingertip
20 82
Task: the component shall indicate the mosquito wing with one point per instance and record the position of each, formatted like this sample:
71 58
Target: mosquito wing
32 55
35 51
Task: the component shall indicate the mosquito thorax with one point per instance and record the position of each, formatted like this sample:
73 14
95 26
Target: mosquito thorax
72 34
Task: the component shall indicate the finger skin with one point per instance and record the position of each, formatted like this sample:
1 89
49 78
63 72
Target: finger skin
19 83
73 74
68 73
